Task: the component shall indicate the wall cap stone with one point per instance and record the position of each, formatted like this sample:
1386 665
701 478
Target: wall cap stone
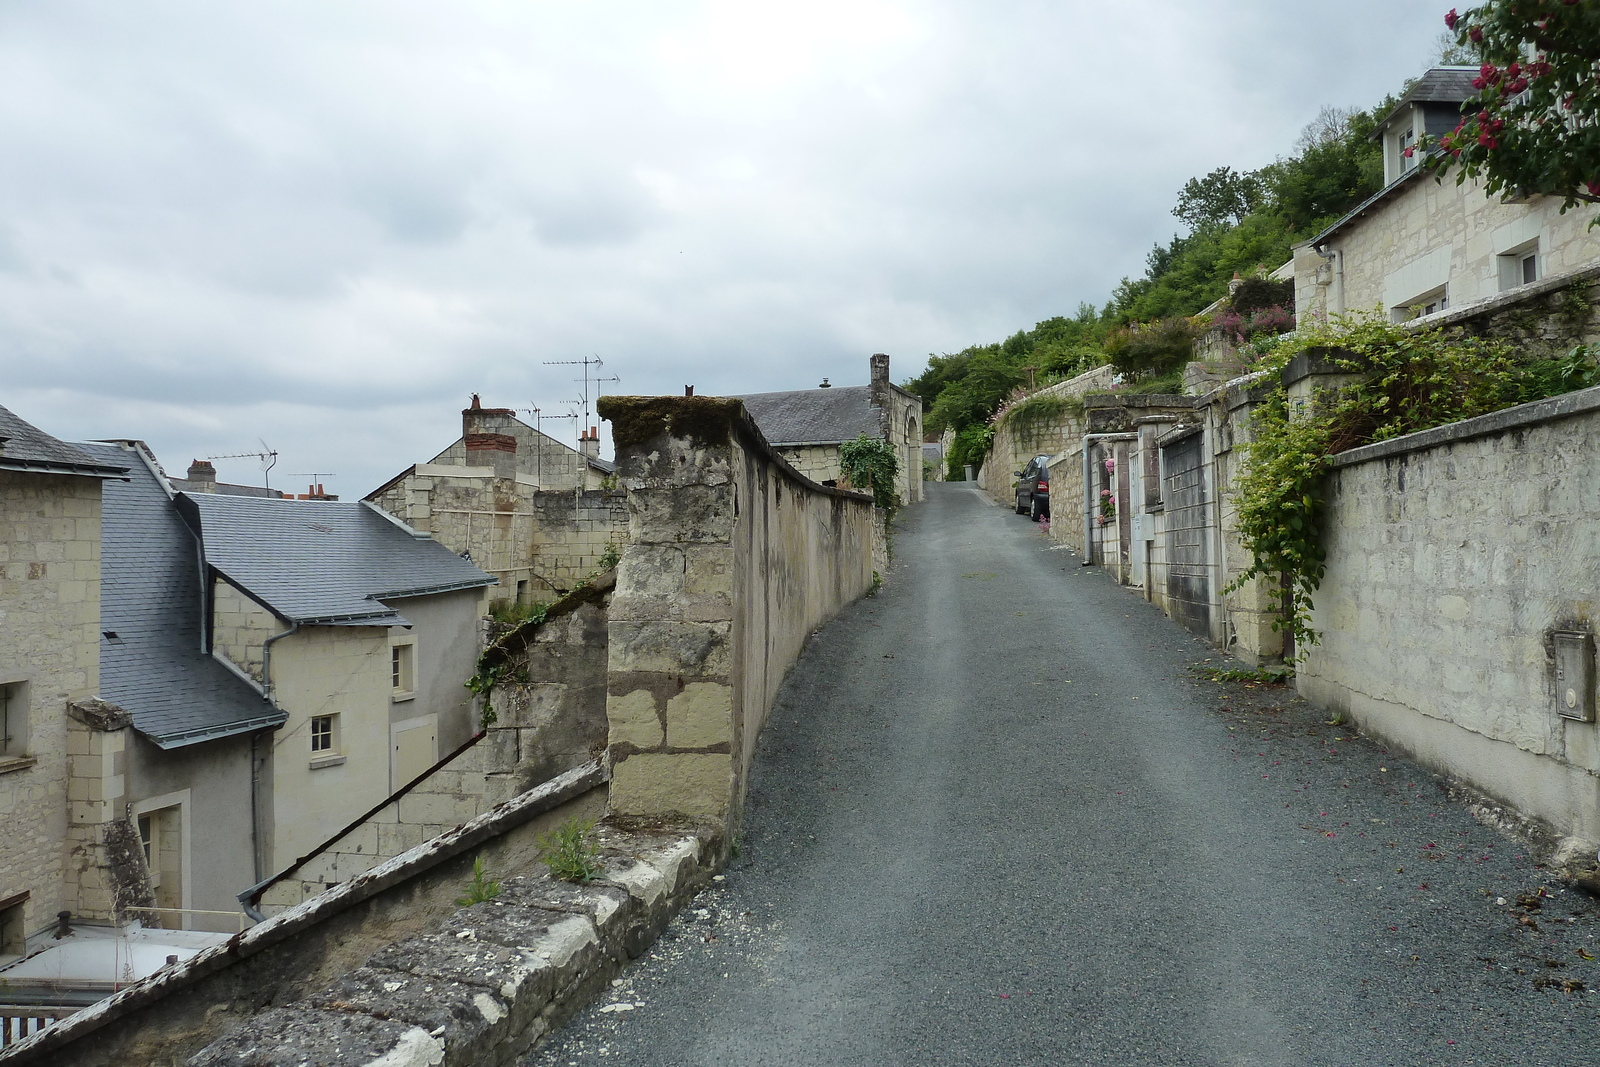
100 714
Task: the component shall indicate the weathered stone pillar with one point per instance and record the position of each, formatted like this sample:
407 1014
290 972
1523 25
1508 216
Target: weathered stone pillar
670 694
105 868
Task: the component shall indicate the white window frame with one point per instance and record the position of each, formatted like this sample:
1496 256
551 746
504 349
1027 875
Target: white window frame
1429 303
403 668
154 805
1514 263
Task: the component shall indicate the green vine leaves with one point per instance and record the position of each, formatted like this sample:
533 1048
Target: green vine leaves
1407 380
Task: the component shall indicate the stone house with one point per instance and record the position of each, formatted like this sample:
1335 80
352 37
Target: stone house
537 515
807 426
358 629
1422 246
50 498
191 730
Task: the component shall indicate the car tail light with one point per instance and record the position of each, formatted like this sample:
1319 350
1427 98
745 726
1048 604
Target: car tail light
1044 487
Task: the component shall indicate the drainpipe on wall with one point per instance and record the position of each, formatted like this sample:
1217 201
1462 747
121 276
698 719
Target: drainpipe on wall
1089 501
266 660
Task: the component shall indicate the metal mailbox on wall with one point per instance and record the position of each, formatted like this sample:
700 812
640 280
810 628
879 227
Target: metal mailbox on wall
1574 675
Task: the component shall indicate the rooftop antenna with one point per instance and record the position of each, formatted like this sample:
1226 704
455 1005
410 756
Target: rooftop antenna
585 363
268 457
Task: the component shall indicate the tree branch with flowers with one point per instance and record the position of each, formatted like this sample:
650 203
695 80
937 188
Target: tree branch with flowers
1536 123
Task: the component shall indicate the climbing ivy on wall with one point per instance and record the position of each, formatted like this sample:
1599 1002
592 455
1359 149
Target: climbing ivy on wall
1409 380
872 462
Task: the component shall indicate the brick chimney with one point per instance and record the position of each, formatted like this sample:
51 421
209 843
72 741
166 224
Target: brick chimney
202 477
485 432
589 443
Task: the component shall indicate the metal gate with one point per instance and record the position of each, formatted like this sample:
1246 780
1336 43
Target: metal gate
1188 555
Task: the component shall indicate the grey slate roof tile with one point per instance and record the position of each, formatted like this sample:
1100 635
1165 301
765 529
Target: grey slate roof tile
814 416
323 561
24 446
150 599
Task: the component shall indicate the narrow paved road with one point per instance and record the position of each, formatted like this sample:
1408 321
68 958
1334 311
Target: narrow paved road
995 820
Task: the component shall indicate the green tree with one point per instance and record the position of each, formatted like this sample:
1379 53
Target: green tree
1222 195
1536 123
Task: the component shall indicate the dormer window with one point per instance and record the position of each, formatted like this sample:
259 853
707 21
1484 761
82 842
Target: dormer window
1407 147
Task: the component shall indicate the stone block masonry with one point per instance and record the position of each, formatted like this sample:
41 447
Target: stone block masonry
49 656
733 559
1454 556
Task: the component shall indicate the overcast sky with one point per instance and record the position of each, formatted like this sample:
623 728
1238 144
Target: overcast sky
323 224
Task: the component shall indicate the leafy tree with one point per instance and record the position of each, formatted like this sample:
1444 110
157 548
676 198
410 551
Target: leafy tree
1222 195
1537 124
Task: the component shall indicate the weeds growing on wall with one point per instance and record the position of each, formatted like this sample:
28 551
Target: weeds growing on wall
1410 380
1028 417
481 888
571 851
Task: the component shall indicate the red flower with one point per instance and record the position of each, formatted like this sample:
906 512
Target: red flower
1450 18
1408 151
1475 35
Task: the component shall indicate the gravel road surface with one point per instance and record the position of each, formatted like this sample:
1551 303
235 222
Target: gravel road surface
999 818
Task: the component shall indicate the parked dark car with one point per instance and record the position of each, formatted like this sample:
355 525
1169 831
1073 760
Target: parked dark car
1033 489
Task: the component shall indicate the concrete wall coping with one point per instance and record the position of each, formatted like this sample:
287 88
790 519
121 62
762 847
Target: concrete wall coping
318 909
1510 298
1550 409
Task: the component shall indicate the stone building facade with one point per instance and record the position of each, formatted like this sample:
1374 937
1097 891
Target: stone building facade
1426 245
49 659
537 515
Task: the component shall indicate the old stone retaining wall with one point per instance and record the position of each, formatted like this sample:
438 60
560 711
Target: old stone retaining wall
1015 441
1455 555
733 559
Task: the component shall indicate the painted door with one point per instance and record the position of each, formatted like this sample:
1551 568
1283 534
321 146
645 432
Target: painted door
416 749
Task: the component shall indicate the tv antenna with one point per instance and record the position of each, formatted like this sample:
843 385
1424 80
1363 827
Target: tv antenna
585 363
268 457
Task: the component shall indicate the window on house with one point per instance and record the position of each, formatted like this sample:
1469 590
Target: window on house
150 840
1520 266
1408 140
322 733
13 928
13 722
402 668
1427 304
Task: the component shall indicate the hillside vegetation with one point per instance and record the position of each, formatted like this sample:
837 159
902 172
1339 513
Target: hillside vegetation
1235 222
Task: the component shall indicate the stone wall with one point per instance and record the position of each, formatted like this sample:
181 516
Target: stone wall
733 560
572 534
240 627
1454 556
49 656
1016 442
1174 535
548 717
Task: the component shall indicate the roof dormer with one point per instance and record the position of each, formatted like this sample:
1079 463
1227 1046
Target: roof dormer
1430 108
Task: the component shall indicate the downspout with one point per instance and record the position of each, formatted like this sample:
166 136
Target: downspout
1088 491
266 660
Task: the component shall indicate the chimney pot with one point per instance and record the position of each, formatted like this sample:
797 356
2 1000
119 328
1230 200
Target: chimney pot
824 384
688 390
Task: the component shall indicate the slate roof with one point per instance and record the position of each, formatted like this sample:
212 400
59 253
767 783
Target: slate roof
150 599
814 416
1441 85
323 561
25 447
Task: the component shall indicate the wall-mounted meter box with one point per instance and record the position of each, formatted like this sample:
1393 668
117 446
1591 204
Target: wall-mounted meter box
1575 675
